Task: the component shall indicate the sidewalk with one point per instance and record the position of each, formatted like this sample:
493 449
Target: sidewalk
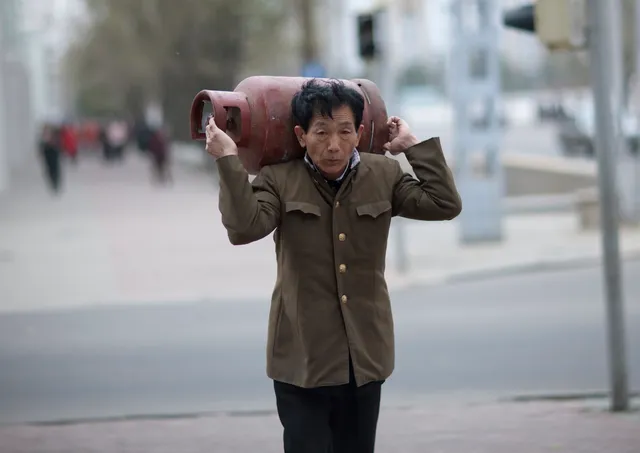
539 427
115 237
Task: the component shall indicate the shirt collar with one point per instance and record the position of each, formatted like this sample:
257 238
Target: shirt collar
353 163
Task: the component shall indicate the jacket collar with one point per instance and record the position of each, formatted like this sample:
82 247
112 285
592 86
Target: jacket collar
353 163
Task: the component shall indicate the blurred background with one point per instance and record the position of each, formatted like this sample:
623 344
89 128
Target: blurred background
119 293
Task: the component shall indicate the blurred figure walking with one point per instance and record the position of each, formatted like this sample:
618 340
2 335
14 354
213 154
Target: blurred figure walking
50 154
69 141
158 147
117 135
143 134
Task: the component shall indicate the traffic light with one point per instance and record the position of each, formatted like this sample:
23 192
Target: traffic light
366 36
559 24
521 18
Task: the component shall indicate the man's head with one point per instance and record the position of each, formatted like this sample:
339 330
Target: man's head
328 123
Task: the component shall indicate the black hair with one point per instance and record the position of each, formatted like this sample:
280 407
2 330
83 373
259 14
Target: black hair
322 96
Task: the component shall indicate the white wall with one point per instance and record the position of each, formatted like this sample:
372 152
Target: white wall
14 91
49 30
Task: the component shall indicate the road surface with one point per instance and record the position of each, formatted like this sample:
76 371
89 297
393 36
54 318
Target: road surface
520 334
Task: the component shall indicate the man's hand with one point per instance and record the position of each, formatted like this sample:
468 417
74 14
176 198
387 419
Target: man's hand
219 144
400 136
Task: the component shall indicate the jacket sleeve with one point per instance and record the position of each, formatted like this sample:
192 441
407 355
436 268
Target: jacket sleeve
433 196
250 210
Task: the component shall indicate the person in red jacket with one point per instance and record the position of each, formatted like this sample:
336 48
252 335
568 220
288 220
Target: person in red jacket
69 141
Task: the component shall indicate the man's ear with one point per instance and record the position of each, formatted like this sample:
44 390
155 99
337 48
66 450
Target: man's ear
360 131
300 135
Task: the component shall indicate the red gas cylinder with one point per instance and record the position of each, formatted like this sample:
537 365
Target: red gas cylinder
257 115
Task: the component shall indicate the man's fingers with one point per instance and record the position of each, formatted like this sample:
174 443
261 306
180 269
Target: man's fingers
211 129
396 121
211 124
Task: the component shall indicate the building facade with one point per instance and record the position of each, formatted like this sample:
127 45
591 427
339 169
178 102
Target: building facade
34 36
16 125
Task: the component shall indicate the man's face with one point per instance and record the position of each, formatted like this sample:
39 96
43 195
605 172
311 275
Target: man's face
330 141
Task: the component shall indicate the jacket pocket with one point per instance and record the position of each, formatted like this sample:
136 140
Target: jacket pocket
302 229
374 209
301 206
372 224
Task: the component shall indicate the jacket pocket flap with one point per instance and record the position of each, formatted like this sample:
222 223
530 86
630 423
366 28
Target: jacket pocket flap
374 209
301 206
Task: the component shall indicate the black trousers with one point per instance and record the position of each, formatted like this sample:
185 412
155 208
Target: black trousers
337 419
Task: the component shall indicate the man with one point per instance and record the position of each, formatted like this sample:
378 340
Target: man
158 147
50 152
117 137
331 343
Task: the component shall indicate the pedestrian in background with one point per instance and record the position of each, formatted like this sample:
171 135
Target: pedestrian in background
50 157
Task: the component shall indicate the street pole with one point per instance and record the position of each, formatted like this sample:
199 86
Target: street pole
309 43
380 71
474 78
635 105
602 40
387 77
4 148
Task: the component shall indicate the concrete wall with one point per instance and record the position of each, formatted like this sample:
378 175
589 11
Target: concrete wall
535 175
546 175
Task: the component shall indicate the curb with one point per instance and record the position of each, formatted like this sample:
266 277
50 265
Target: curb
583 262
564 397
532 267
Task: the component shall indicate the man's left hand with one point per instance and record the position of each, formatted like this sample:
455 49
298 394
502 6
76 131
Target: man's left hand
400 136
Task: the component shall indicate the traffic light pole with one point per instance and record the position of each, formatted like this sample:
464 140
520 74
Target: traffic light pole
474 80
379 71
602 41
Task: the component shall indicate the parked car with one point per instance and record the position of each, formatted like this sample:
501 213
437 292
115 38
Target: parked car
576 132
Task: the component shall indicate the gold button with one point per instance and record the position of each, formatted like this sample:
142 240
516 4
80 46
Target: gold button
343 268
342 237
337 204
344 299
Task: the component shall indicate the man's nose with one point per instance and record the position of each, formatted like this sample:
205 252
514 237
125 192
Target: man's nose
334 143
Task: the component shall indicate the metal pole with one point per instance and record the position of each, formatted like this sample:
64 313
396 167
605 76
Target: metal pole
475 80
309 44
635 105
384 77
607 139
4 148
637 42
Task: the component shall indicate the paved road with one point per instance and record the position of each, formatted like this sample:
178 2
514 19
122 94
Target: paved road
519 334
541 427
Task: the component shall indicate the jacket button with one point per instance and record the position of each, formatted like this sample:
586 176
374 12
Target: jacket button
342 237
344 299
343 268
337 204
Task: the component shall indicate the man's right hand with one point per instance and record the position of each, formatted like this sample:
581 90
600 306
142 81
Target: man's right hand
219 144
400 136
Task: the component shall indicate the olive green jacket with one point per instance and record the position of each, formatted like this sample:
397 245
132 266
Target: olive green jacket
330 297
